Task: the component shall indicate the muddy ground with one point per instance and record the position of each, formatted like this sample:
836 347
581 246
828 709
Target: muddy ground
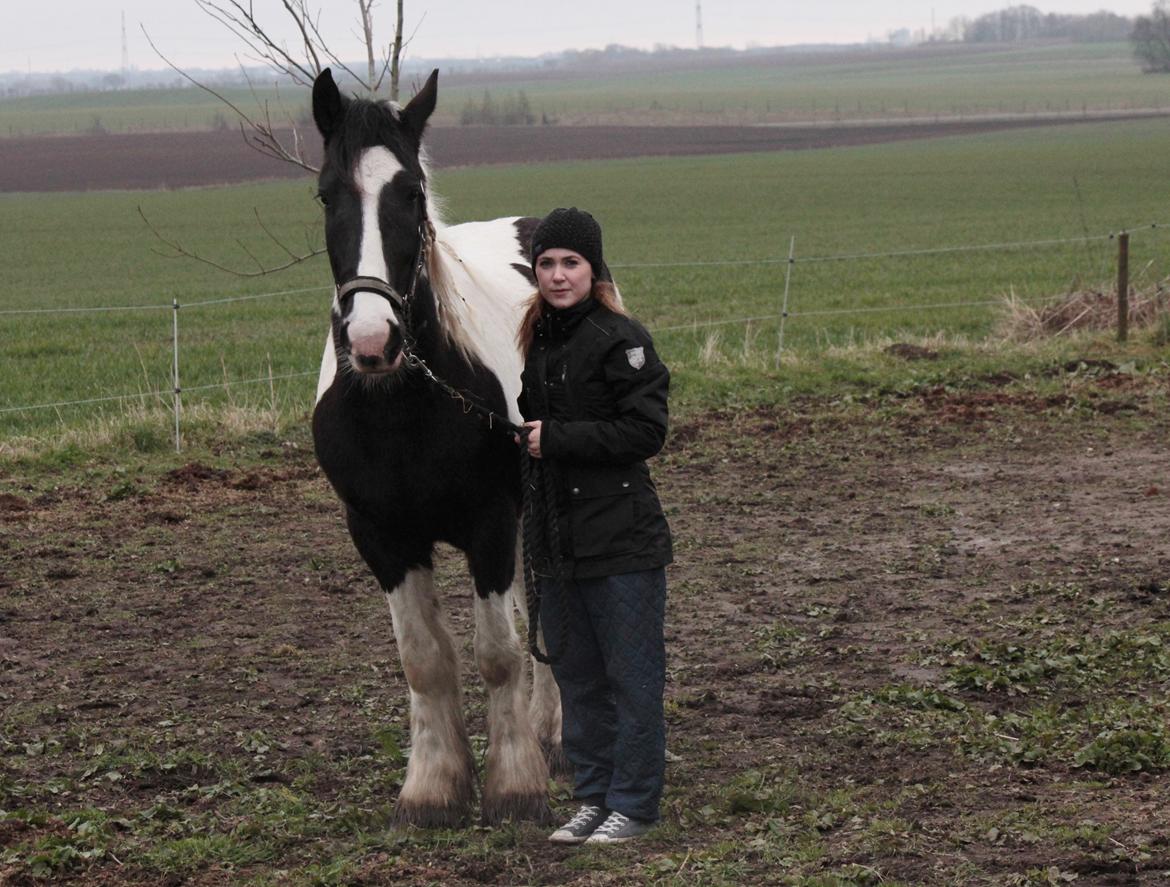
889 633
187 159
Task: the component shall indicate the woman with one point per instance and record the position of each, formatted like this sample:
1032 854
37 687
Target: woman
594 397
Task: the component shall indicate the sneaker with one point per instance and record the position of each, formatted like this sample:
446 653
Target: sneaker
581 826
618 828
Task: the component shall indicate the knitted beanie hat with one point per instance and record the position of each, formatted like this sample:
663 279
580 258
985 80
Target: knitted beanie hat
572 229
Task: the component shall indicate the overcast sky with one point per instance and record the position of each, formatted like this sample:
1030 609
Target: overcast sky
60 35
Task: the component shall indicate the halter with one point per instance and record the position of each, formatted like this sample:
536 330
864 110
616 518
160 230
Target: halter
400 302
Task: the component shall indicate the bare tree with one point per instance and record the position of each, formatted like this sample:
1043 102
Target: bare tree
299 65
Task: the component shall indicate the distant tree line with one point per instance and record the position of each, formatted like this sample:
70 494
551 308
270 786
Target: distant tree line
1151 38
1017 23
511 110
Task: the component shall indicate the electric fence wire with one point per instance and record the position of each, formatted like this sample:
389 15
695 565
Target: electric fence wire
712 263
691 326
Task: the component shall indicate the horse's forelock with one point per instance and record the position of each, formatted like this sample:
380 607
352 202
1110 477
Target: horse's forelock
368 124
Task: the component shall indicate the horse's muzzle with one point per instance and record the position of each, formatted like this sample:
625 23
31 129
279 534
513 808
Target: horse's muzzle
375 349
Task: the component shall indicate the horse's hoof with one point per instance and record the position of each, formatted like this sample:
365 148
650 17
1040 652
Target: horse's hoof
430 815
517 808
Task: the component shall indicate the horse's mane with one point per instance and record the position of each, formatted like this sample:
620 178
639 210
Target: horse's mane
450 307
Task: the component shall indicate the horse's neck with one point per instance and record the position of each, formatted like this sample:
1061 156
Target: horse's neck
479 294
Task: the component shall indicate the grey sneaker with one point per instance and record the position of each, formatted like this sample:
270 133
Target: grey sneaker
581 826
618 828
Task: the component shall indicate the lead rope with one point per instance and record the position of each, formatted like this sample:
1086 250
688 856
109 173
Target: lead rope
539 532
541 536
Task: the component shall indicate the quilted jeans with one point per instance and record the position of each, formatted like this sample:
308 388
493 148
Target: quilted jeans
612 676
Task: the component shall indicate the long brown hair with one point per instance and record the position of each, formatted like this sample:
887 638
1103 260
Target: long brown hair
603 291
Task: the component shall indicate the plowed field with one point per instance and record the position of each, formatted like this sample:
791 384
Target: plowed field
176 160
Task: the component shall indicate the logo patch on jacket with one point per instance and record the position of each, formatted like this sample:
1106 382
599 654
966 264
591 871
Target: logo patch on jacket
636 357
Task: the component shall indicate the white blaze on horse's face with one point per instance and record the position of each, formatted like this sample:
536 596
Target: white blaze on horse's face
371 319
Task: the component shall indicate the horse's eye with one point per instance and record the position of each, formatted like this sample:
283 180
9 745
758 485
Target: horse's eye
322 199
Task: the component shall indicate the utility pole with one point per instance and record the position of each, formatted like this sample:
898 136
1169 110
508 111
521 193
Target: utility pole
125 50
699 24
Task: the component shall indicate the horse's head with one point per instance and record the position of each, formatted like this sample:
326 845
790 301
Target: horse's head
373 186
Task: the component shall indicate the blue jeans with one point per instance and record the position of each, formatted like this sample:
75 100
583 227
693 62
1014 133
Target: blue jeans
612 675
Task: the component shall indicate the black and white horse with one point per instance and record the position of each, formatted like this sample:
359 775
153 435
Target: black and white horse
412 464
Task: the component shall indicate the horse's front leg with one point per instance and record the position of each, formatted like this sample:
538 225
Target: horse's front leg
516 777
439 790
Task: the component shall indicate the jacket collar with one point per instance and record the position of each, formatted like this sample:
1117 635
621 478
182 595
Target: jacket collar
560 323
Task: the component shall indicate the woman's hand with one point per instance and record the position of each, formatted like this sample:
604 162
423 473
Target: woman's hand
533 438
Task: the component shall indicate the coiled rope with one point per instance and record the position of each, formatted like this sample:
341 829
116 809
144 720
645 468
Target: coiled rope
541 557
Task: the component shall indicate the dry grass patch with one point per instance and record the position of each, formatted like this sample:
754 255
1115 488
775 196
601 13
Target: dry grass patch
1082 310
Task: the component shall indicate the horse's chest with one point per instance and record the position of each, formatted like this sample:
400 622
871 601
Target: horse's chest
425 470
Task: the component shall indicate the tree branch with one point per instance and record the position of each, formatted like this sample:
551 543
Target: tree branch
264 138
180 251
256 129
241 22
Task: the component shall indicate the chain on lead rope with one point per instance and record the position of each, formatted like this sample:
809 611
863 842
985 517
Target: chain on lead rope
540 533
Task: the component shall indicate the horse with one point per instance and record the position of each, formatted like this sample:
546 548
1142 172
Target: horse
423 326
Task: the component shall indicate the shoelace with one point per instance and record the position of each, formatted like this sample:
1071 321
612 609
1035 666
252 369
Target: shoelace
613 823
585 814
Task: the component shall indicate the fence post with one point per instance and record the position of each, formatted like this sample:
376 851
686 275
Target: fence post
1123 286
784 306
177 390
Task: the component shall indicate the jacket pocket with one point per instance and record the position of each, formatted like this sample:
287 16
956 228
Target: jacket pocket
603 513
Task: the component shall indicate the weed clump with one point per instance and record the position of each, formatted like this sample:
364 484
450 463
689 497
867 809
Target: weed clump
1093 310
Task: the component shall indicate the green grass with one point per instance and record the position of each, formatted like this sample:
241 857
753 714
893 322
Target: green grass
850 84
133 110
93 250
950 80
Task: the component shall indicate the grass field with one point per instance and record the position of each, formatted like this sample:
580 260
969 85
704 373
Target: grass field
1076 183
877 83
948 80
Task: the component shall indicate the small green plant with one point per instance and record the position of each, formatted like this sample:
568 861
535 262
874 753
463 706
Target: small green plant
758 792
919 698
1127 749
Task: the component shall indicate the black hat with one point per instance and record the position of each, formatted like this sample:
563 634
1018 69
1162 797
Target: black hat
573 229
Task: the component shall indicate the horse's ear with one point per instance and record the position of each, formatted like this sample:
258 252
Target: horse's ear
328 105
418 110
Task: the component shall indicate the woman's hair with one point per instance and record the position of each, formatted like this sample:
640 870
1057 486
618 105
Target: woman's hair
603 291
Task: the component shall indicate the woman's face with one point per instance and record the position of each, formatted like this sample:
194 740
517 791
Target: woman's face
563 277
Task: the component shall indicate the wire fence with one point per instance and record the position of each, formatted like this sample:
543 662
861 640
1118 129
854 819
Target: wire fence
781 315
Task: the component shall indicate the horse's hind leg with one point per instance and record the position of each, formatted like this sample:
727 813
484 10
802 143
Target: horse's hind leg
516 778
545 713
544 707
439 789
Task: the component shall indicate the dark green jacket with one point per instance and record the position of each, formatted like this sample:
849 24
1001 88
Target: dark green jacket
596 383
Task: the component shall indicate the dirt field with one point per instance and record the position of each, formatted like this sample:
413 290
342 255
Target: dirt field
922 640
176 160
